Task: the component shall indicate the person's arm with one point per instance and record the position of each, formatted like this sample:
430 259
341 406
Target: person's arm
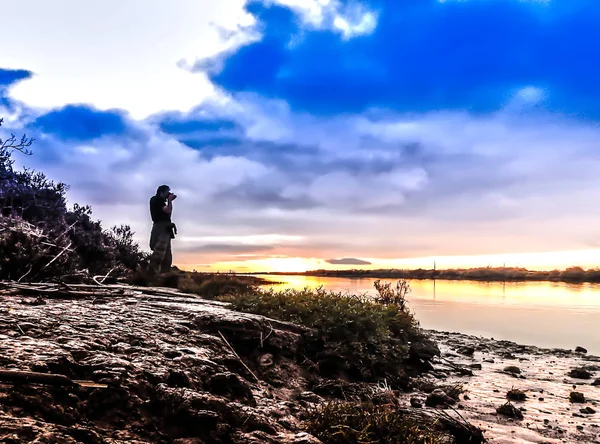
169 207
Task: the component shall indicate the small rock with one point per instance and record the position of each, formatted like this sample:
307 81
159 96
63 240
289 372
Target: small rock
540 399
466 397
509 411
475 366
424 349
80 354
580 427
438 397
266 360
577 397
512 369
596 382
516 395
580 373
489 361
171 354
588 411
580 350
416 403
467 351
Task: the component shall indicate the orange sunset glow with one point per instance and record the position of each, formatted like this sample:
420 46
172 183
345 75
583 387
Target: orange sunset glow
532 261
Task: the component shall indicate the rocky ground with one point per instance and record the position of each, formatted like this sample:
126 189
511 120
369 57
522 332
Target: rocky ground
154 369
175 368
554 393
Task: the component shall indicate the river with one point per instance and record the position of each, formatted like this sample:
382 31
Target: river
545 314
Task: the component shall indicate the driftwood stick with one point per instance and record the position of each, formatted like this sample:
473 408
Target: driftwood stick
58 255
28 271
67 230
26 377
101 283
237 356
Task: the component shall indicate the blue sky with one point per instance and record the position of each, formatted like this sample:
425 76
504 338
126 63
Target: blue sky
313 133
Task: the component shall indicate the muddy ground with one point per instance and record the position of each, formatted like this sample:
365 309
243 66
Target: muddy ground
545 376
185 370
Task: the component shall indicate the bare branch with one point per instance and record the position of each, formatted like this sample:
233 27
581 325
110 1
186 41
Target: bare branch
14 144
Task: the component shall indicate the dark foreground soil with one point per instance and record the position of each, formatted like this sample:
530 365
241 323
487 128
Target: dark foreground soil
178 369
163 370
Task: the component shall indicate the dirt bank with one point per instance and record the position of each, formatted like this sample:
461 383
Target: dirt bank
175 368
165 368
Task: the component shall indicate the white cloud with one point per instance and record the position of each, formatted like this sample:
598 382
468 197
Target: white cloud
138 55
356 22
117 53
350 20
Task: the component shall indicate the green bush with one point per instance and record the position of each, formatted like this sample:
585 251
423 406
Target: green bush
353 336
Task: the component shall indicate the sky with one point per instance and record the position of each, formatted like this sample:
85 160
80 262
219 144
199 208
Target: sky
305 134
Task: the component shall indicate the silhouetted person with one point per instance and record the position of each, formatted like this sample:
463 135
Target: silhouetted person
163 230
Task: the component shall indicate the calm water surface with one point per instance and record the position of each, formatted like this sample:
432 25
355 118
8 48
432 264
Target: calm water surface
546 314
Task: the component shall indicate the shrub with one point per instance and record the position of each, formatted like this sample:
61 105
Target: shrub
353 335
41 239
396 296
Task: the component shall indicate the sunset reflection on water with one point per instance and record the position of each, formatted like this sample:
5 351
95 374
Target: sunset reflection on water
548 314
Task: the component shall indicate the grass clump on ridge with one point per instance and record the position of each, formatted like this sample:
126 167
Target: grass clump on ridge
353 336
368 423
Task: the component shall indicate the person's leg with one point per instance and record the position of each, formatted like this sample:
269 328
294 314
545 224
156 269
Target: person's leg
158 254
167 258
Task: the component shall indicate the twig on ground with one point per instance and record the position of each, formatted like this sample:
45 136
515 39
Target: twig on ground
238 356
266 337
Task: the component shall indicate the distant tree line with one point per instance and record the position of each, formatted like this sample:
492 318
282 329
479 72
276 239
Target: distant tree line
489 274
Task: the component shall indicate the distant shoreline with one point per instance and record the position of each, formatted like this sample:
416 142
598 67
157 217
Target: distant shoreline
488 274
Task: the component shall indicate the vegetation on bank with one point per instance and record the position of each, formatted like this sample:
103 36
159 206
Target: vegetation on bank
369 423
42 239
353 338
486 274
358 337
